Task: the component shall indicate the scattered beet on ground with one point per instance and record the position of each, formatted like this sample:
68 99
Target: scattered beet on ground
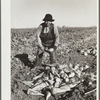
77 46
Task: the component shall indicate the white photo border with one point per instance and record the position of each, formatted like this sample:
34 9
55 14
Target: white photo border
6 53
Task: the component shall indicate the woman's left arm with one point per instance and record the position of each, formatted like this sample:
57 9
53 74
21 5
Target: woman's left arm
56 36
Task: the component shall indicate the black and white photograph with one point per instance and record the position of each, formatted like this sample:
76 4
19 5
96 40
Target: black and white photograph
53 46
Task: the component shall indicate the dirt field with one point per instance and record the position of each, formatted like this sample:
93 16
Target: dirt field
72 42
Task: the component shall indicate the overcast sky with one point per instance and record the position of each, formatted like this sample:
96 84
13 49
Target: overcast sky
29 13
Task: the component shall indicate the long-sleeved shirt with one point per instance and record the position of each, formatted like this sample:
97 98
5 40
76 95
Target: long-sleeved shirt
39 30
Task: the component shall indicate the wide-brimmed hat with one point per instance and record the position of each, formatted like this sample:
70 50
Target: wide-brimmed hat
48 17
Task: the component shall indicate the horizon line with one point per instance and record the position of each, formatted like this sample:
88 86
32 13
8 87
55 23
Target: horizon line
57 26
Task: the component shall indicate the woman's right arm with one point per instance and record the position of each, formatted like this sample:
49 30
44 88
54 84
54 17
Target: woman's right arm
38 37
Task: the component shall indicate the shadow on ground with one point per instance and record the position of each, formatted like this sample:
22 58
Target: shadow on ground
24 58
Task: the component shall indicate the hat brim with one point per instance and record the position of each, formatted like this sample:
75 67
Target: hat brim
48 20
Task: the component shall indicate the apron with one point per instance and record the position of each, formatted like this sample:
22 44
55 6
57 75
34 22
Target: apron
47 35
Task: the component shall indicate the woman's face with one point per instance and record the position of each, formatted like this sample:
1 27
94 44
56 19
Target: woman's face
48 22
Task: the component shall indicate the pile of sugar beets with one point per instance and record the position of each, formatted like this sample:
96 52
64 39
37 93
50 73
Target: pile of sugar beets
62 81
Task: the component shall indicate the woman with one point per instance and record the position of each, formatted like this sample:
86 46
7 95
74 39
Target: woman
48 39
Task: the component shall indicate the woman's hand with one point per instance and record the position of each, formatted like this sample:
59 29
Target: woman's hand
41 47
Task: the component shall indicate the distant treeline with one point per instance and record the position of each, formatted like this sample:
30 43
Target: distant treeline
60 29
